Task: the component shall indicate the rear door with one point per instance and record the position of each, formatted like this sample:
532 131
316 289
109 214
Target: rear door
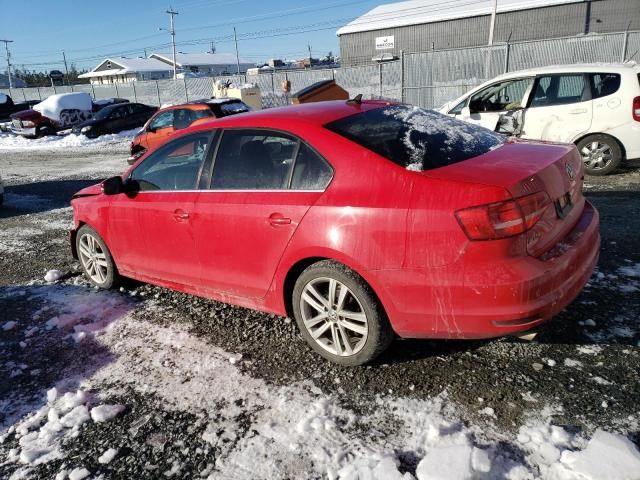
560 108
263 184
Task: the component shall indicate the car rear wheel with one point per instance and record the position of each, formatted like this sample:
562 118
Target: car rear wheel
339 315
95 258
44 131
601 154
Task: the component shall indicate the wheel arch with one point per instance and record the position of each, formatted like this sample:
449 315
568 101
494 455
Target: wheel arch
585 135
298 266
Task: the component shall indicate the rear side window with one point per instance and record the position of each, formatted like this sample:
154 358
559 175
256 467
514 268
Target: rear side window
311 172
415 138
603 84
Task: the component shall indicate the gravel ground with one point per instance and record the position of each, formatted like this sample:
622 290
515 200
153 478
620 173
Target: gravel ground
584 366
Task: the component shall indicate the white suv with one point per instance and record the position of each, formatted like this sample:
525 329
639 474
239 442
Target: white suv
597 107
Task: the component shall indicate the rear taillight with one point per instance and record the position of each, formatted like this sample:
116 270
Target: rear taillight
503 219
636 109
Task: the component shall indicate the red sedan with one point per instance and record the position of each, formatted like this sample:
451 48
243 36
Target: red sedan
362 220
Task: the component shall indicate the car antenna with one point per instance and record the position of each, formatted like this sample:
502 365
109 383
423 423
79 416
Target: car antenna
357 99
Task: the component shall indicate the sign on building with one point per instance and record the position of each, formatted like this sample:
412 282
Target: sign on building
384 43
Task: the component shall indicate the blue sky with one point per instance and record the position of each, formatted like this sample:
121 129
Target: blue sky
89 30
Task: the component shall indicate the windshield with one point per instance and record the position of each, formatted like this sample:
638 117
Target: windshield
103 113
415 138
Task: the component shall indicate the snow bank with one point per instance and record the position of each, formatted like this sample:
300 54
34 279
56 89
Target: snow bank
108 455
16 142
3 98
53 106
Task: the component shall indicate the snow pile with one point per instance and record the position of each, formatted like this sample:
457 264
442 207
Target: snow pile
104 413
9 326
53 106
53 276
79 473
108 455
16 142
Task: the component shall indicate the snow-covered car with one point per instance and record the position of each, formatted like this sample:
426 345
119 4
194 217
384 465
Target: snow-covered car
57 112
115 118
596 107
1 192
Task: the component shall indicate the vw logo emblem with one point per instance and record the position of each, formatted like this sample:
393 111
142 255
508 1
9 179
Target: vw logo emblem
570 171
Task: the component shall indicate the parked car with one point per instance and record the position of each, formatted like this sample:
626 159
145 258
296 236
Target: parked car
56 113
177 117
8 107
597 107
362 220
115 118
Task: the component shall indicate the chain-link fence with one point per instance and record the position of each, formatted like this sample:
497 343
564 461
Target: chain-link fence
428 79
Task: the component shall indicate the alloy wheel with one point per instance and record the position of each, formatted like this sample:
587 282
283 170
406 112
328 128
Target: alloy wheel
334 317
596 155
93 258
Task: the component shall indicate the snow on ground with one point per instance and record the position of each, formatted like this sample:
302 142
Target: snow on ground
9 141
267 431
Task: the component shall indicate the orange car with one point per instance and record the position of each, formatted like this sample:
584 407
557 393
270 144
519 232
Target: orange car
170 119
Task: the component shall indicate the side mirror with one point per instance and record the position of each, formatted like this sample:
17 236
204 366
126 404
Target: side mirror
112 186
465 113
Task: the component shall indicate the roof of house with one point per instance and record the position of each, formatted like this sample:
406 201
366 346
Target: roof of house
188 59
124 65
417 12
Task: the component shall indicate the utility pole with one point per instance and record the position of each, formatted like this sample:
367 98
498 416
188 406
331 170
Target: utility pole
172 32
145 53
493 21
213 47
309 48
66 69
6 46
235 39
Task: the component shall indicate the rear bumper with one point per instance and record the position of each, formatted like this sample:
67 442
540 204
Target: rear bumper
471 302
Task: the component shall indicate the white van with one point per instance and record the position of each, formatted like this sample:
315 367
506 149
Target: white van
597 107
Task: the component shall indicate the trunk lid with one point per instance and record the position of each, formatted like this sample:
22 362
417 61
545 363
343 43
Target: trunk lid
523 168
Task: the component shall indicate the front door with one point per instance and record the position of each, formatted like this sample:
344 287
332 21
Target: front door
163 211
160 128
486 106
560 108
263 184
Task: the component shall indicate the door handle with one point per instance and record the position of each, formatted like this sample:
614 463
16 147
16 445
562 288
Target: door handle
180 215
277 219
578 111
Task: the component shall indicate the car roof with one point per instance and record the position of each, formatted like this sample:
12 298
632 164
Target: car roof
575 68
317 114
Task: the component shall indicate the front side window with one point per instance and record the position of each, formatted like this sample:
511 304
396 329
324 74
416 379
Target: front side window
163 120
553 90
182 118
415 138
506 95
175 166
603 84
457 110
254 160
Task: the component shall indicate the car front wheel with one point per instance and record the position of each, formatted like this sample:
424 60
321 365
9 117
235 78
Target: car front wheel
95 258
601 154
339 315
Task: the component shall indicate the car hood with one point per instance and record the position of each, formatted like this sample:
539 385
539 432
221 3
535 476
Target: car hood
87 123
89 191
27 115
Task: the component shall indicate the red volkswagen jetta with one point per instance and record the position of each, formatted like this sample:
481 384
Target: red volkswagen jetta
360 219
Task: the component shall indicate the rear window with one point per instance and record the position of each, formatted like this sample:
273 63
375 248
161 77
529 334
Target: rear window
233 108
603 84
415 138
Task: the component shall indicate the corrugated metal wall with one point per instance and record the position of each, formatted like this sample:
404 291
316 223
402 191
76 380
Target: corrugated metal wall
540 23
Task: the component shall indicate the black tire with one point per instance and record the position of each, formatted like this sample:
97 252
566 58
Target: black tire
44 131
110 277
379 333
600 153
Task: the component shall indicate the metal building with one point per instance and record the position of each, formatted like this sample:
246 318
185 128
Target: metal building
422 25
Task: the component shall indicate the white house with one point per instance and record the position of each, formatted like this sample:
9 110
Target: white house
204 64
125 70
